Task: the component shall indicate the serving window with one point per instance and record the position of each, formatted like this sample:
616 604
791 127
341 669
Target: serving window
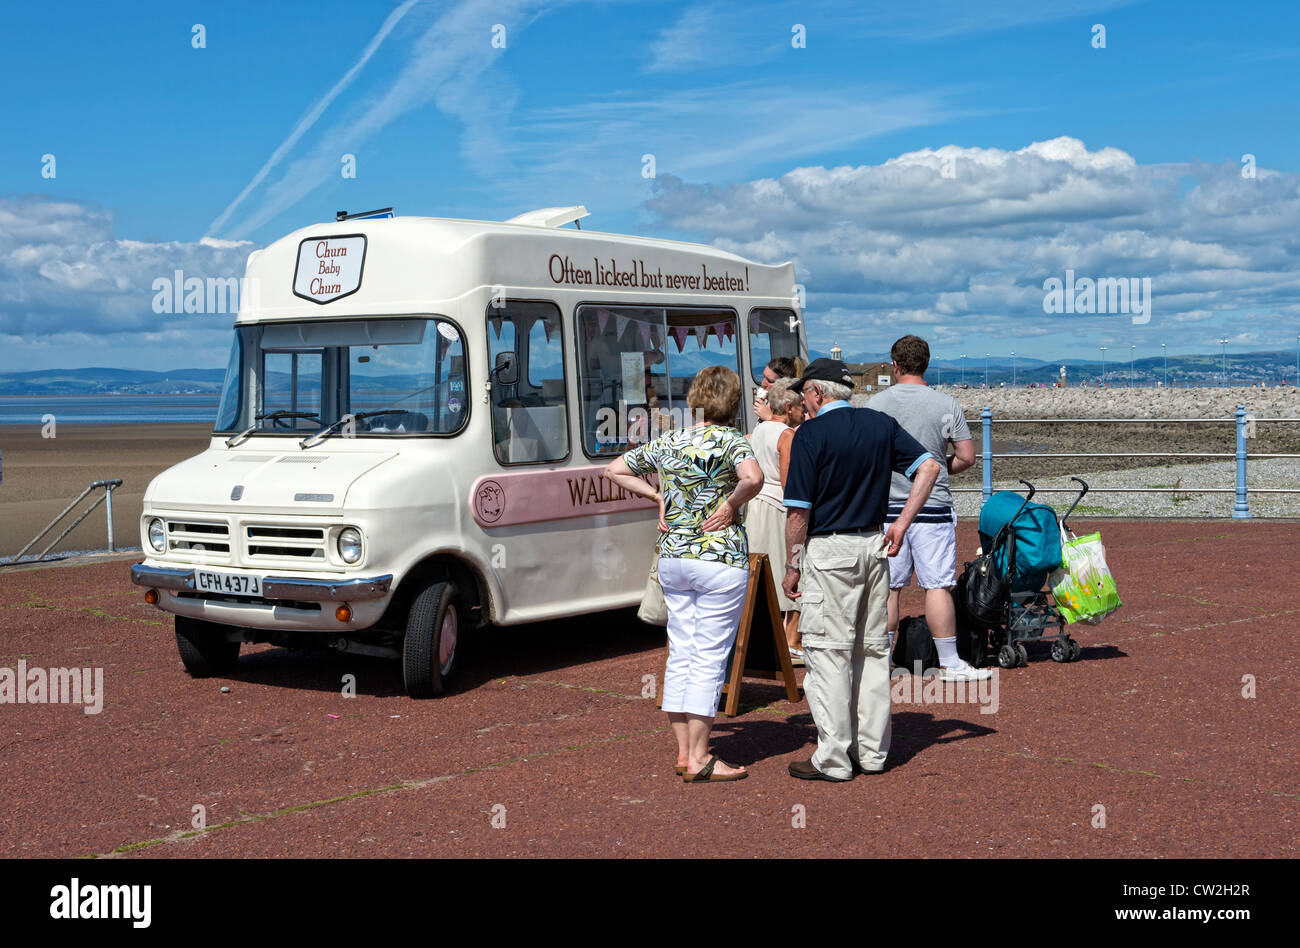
636 365
530 421
772 334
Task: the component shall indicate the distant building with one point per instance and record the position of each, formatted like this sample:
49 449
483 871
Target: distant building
836 352
870 376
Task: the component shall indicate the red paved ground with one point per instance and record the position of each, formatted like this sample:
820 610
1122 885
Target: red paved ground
1151 724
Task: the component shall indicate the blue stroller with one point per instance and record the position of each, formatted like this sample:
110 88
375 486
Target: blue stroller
1024 541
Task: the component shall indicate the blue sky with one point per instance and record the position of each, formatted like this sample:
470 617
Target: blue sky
893 158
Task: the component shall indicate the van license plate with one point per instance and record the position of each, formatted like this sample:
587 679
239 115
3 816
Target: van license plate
236 585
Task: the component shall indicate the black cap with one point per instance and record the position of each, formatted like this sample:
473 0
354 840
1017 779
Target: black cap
825 370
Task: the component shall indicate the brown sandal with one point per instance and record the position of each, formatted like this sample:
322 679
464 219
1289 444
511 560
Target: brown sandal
706 774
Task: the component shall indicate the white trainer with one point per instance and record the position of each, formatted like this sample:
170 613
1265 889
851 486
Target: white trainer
965 672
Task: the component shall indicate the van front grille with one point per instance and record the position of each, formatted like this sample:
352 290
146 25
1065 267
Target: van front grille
198 538
272 541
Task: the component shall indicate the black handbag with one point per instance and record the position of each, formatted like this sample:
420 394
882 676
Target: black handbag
983 592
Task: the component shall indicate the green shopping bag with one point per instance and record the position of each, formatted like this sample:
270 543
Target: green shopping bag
1083 586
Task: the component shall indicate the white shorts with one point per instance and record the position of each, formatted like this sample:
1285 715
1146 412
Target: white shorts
929 551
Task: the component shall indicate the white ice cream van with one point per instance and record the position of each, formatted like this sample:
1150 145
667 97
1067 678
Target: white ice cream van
413 427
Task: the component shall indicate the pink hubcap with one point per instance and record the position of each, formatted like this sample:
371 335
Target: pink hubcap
447 640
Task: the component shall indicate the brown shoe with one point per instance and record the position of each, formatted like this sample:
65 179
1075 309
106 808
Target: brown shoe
804 770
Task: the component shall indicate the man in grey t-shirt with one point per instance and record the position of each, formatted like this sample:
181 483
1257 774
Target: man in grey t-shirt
929 549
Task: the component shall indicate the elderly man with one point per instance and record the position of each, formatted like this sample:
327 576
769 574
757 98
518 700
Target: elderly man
836 497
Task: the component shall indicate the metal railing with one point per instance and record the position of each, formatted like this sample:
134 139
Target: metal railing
109 486
1242 419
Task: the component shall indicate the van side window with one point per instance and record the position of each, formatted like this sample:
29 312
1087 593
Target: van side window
771 336
530 422
636 365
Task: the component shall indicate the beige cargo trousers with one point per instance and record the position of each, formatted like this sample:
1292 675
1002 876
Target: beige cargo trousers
845 586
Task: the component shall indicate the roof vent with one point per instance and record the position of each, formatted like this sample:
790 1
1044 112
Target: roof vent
551 216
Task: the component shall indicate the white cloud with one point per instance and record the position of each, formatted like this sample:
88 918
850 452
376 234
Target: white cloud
714 37
960 240
66 280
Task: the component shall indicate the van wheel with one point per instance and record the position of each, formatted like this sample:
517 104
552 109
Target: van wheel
204 647
432 641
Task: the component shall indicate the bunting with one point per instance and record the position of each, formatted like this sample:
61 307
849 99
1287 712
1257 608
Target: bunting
602 317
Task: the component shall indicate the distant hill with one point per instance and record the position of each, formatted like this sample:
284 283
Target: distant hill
104 381
1244 368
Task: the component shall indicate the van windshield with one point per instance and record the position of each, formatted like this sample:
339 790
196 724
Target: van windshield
296 378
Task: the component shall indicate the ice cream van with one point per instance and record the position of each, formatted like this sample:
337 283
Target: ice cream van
413 427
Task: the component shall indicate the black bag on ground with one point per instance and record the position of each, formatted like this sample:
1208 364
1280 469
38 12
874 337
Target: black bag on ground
913 643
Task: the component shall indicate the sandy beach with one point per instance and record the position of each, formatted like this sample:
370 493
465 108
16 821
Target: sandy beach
43 475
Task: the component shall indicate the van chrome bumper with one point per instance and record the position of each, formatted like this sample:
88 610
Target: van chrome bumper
297 588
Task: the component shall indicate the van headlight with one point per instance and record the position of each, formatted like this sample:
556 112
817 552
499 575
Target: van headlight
157 535
349 544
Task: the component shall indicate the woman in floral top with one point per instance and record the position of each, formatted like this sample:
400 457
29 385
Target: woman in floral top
706 474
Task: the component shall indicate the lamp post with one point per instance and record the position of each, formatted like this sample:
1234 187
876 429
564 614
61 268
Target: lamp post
1103 365
963 368
1224 343
986 370
1131 356
1165 356
1013 368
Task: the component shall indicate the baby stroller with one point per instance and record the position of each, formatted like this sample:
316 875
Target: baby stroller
1021 544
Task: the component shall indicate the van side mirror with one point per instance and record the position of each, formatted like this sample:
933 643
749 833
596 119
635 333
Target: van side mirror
506 368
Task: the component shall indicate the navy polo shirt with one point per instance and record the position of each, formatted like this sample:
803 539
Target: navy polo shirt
841 464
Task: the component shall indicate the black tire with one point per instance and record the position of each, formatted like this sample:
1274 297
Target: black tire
204 647
1075 650
1008 657
1023 653
1061 651
436 612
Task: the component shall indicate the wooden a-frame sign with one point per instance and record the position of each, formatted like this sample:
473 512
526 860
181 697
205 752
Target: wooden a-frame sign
768 655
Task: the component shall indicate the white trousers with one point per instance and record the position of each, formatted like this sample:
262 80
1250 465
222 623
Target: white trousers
704 601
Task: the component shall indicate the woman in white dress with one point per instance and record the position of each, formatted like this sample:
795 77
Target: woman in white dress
765 517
